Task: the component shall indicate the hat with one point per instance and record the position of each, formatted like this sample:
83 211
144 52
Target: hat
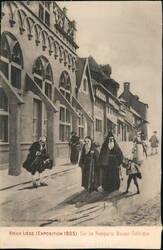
110 134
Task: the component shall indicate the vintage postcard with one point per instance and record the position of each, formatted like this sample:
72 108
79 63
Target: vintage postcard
80 124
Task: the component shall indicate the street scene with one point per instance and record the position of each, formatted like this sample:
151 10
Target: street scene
80 114
64 203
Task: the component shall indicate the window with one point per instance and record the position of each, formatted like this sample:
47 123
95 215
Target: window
65 124
65 86
3 116
85 85
41 12
3 128
16 55
38 81
5 51
47 18
15 77
5 68
3 100
81 126
37 113
44 14
48 90
44 79
11 62
43 75
98 125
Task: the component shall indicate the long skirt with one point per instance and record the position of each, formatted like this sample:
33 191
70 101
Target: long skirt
90 180
74 154
110 178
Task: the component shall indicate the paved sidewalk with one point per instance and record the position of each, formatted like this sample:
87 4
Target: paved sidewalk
8 181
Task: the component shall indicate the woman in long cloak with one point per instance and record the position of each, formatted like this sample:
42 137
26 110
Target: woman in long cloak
110 159
74 148
90 166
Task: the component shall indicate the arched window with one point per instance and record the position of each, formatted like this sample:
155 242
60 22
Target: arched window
11 59
65 115
65 85
43 76
5 50
17 54
3 116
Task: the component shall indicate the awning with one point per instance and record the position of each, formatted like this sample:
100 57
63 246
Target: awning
58 96
33 86
9 90
77 105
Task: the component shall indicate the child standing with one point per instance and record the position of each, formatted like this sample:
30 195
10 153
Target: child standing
133 172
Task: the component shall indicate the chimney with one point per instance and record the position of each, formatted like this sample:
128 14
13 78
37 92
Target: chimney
65 11
126 86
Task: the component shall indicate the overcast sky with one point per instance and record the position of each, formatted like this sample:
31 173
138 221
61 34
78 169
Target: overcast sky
127 35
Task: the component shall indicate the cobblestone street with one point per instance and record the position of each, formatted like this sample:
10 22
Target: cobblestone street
64 203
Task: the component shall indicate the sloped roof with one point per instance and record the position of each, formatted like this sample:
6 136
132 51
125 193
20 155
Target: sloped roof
131 95
80 64
83 66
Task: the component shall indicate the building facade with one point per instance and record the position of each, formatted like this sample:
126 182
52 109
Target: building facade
47 90
38 79
139 109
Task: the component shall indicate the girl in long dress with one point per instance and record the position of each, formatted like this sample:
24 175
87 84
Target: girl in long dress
90 166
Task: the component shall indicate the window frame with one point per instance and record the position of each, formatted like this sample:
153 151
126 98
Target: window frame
98 125
65 124
4 112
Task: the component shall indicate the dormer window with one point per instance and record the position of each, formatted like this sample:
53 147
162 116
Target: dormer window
44 14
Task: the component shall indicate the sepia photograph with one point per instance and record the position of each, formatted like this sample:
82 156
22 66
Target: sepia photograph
80 124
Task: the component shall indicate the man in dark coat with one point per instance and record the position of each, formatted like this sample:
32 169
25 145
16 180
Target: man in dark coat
110 159
38 160
74 148
90 166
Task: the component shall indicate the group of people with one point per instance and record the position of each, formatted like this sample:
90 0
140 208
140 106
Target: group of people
104 168
98 167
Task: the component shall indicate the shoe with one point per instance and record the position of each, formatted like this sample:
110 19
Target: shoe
138 192
126 192
43 184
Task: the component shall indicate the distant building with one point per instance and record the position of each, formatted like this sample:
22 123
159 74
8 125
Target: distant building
139 108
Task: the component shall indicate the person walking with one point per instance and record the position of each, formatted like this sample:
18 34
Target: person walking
139 149
110 160
132 170
154 143
38 160
89 164
74 148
